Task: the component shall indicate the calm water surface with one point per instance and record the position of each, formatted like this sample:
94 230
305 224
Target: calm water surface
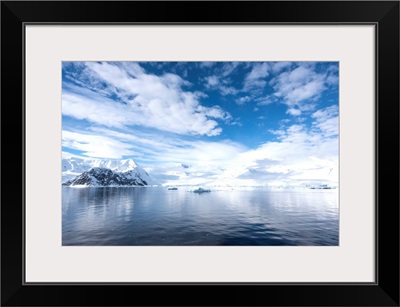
157 216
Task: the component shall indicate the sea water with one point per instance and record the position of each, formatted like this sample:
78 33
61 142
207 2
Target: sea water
154 216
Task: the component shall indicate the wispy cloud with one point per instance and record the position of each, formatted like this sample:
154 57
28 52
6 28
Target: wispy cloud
326 120
96 146
229 68
154 151
299 155
293 111
212 81
158 102
243 100
300 87
256 77
279 66
220 79
215 82
207 64
162 119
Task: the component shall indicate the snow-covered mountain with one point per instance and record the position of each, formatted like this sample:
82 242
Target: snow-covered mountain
104 177
78 165
74 167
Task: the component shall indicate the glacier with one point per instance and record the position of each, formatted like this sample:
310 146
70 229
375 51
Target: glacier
185 174
87 171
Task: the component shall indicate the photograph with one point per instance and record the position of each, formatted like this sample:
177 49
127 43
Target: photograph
242 147
200 153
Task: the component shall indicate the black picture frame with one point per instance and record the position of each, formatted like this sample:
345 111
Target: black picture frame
383 14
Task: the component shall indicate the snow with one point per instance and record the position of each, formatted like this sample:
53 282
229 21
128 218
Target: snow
73 167
234 177
79 186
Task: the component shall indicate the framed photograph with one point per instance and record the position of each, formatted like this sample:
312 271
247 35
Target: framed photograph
247 148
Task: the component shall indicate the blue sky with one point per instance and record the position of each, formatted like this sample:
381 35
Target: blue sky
188 121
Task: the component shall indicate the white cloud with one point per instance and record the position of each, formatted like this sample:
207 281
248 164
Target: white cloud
326 113
96 146
263 101
293 111
152 149
207 64
214 82
298 86
147 100
327 120
260 70
228 90
299 156
133 69
301 87
256 77
220 80
215 112
300 153
279 66
329 127
229 68
243 100
332 80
